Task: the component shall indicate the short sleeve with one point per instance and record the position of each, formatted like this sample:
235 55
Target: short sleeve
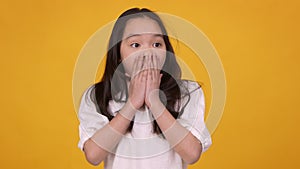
192 117
90 119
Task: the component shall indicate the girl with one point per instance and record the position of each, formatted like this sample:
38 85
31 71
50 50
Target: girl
142 114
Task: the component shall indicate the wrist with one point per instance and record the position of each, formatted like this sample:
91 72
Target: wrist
132 103
157 108
128 110
152 98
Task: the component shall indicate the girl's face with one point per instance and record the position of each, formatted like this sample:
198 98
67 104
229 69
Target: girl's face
142 38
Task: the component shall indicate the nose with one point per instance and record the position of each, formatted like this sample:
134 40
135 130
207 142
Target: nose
148 52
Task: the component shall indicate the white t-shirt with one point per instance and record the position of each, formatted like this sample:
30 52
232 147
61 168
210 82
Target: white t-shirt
141 148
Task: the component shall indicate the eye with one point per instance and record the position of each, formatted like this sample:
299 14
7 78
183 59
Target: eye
134 45
156 45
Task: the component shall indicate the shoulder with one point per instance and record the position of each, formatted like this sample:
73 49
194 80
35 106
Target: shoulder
89 90
188 86
89 94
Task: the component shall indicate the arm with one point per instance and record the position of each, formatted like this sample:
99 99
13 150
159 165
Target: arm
185 144
96 148
183 141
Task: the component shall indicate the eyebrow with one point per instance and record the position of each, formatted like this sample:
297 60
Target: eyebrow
153 34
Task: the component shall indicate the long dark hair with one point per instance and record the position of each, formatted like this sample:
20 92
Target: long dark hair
105 90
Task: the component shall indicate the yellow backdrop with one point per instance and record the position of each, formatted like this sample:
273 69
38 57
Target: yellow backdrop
258 43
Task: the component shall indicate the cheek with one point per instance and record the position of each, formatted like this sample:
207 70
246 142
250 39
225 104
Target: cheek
127 64
126 59
124 52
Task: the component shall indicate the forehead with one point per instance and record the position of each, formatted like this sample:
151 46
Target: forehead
141 26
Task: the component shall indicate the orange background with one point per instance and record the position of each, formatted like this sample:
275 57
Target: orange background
257 42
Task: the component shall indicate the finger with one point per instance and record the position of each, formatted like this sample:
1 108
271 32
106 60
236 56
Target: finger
151 61
152 69
160 76
148 68
139 66
143 77
155 62
135 67
143 72
144 63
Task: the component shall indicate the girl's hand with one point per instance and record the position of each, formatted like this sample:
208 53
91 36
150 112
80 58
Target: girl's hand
153 81
137 86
